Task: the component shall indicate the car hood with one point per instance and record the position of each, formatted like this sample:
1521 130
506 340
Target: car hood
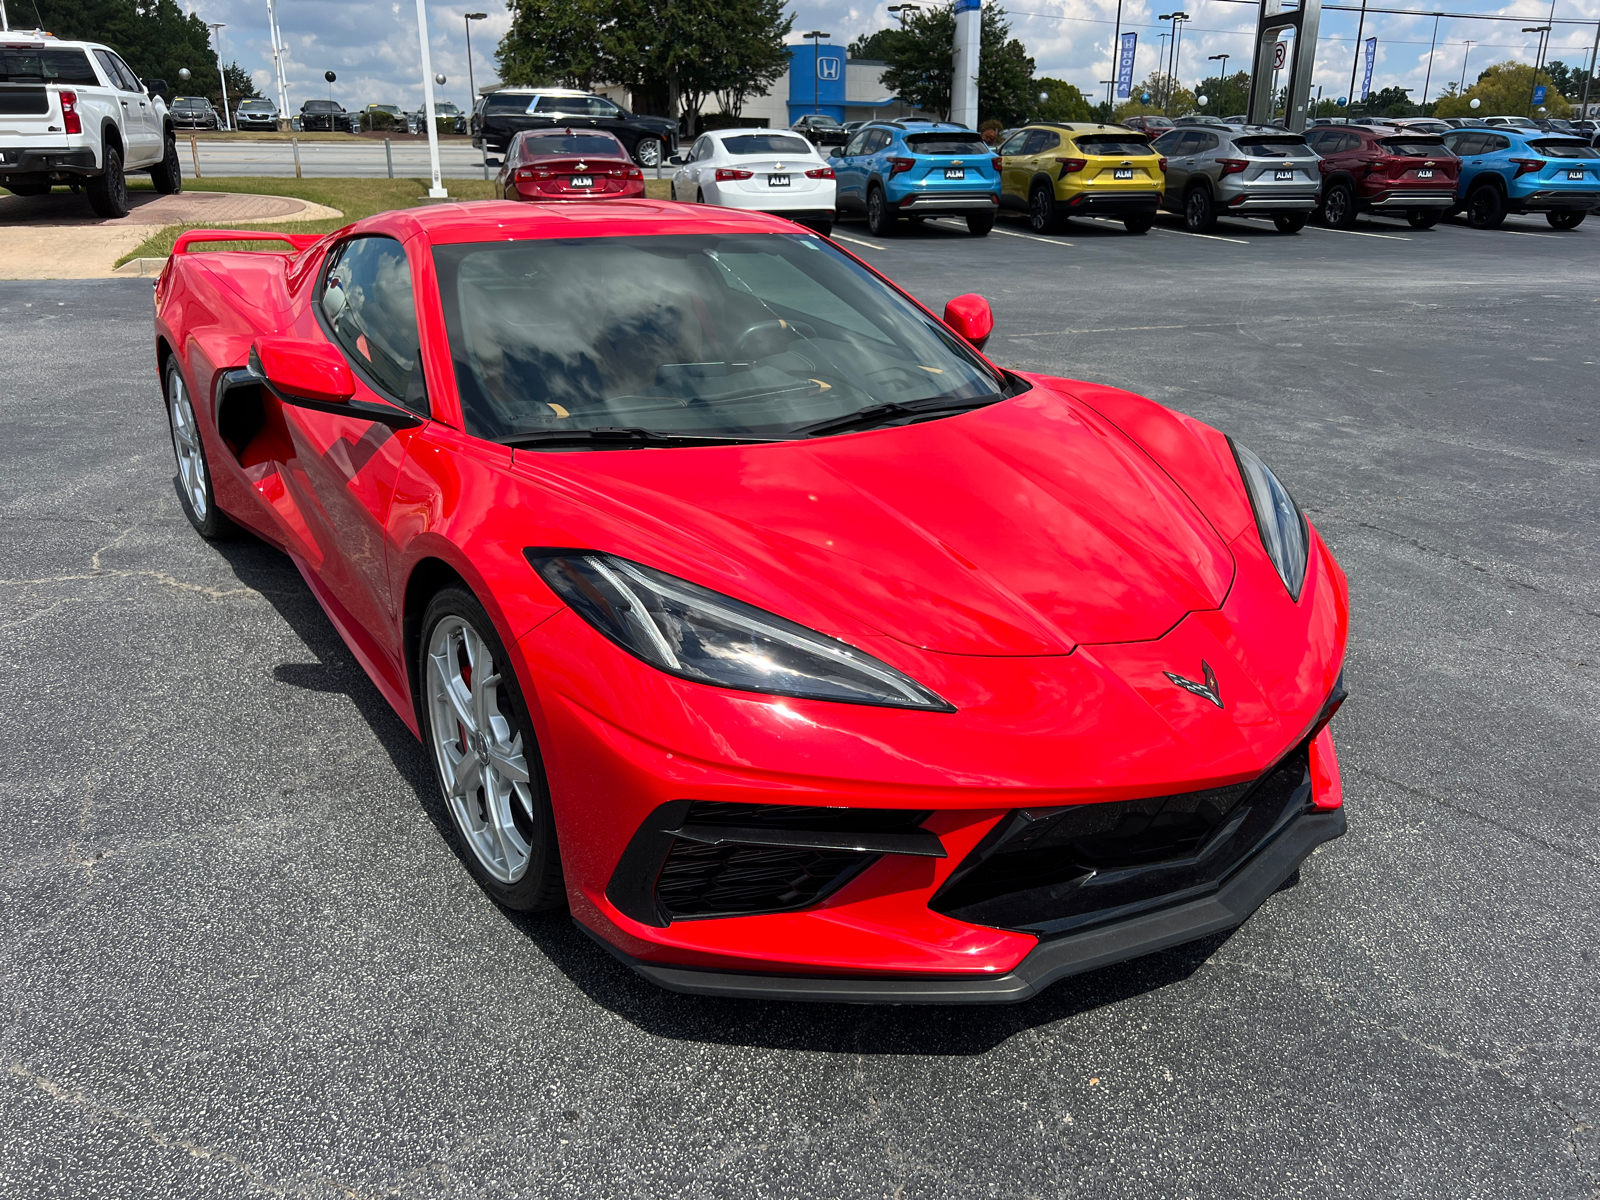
1025 528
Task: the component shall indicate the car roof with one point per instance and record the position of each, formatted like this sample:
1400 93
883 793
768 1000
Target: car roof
538 91
741 130
473 221
918 125
1085 126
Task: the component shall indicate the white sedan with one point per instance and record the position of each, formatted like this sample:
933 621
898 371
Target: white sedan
770 171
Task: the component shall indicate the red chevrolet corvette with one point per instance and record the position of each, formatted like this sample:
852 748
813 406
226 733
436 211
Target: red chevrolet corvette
747 609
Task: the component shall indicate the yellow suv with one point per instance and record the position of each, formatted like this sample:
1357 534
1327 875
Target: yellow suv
1057 171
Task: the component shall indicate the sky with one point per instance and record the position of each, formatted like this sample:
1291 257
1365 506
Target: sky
372 45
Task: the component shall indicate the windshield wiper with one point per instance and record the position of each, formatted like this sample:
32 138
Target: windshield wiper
621 437
878 414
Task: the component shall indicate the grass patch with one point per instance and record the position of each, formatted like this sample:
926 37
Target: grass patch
356 198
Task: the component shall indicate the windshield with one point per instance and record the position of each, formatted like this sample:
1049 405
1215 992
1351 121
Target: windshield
946 143
1273 147
257 105
743 335
819 119
592 145
1564 149
766 143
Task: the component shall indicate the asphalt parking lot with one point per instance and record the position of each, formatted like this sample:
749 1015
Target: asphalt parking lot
237 956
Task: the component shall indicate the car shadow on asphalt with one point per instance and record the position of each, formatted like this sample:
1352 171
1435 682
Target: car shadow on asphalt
780 1025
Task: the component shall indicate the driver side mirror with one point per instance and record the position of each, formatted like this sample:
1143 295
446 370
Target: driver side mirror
836 152
971 317
677 160
297 371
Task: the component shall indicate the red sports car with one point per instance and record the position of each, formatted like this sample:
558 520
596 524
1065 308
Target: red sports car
747 609
566 164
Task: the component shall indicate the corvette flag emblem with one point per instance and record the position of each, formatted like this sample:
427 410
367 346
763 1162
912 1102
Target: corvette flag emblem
1206 691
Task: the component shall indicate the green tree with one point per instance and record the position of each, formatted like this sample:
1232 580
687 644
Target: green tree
1167 98
752 56
154 37
878 46
240 87
1064 103
920 67
1505 90
1226 96
555 42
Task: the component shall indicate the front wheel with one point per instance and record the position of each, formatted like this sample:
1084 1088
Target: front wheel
108 191
648 152
1140 223
485 757
167 175
1339 207
1199 214
1565 220
194 470
979 224
880 217
1486 208
1423 218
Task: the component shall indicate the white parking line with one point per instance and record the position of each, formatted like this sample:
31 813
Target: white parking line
1209 236
1030 237
1393 237
839 237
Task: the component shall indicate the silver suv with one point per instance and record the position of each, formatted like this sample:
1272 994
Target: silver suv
1239 171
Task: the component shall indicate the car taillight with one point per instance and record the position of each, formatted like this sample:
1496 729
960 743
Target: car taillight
69 111
727 175
995 162
1232 166
1527 166
1069 165
899 166
820 173
1162 163
635 173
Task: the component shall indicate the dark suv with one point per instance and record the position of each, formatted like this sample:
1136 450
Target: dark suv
502 115
1385 171
325 116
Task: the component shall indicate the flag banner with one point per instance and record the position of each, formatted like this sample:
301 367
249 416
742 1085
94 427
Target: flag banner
1372 57
1130 45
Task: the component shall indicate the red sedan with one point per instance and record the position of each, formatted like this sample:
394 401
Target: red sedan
566 164
747 609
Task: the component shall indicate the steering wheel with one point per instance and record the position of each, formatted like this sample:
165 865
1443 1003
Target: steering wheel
778 334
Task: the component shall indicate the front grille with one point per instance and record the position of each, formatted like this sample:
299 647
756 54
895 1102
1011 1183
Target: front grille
1048 871
737 859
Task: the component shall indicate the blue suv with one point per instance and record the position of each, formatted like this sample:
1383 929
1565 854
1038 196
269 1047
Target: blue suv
1506 170
917 168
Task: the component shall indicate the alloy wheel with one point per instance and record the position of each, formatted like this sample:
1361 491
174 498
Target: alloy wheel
186 444
479 750
1334 208
649 152
1039 214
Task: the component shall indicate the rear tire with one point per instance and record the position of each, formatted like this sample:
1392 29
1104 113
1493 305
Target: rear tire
979 224
1565 220
1042 214
1290 222
167 175
1199 214
1339 207
881 219
485 756
108 191
1139 224
1486 207
1423 218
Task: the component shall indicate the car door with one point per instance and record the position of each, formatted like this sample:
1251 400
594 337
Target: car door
1013 184
1495 157
1167 146
343 469
141 135
1465 146
1180 162
849 178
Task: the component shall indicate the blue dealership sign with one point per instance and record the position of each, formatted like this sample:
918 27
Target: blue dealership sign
1538 94
1372 56
1130 47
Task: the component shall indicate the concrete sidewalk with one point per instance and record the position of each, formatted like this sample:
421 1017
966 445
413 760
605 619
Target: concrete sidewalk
59 237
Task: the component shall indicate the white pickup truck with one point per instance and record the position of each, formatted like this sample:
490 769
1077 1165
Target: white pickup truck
73 113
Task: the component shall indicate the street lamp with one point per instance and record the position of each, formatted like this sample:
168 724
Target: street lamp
815 36
1538 60
1465 54
436 191
221 73
472 87
901 10
1223 73
1172 57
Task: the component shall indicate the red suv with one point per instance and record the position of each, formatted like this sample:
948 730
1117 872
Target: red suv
1390 172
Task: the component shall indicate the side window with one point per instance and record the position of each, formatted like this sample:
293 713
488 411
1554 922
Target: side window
130 81
856 144
1493 143
113 70
1014 143
599 106
1037 139
367 300
1207 143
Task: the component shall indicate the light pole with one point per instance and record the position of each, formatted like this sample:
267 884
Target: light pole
1223 73
1161 53
284 123
1538 60
472 88
1172 57
436 192
1465 54
1361 27
815 36
902 10
1428 78
221 73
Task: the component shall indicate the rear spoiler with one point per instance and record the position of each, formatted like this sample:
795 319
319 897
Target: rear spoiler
300 241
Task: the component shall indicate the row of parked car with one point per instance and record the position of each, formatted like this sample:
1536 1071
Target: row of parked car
912 169
316 116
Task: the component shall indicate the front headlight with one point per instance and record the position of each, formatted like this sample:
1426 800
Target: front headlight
698 634
1278 517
